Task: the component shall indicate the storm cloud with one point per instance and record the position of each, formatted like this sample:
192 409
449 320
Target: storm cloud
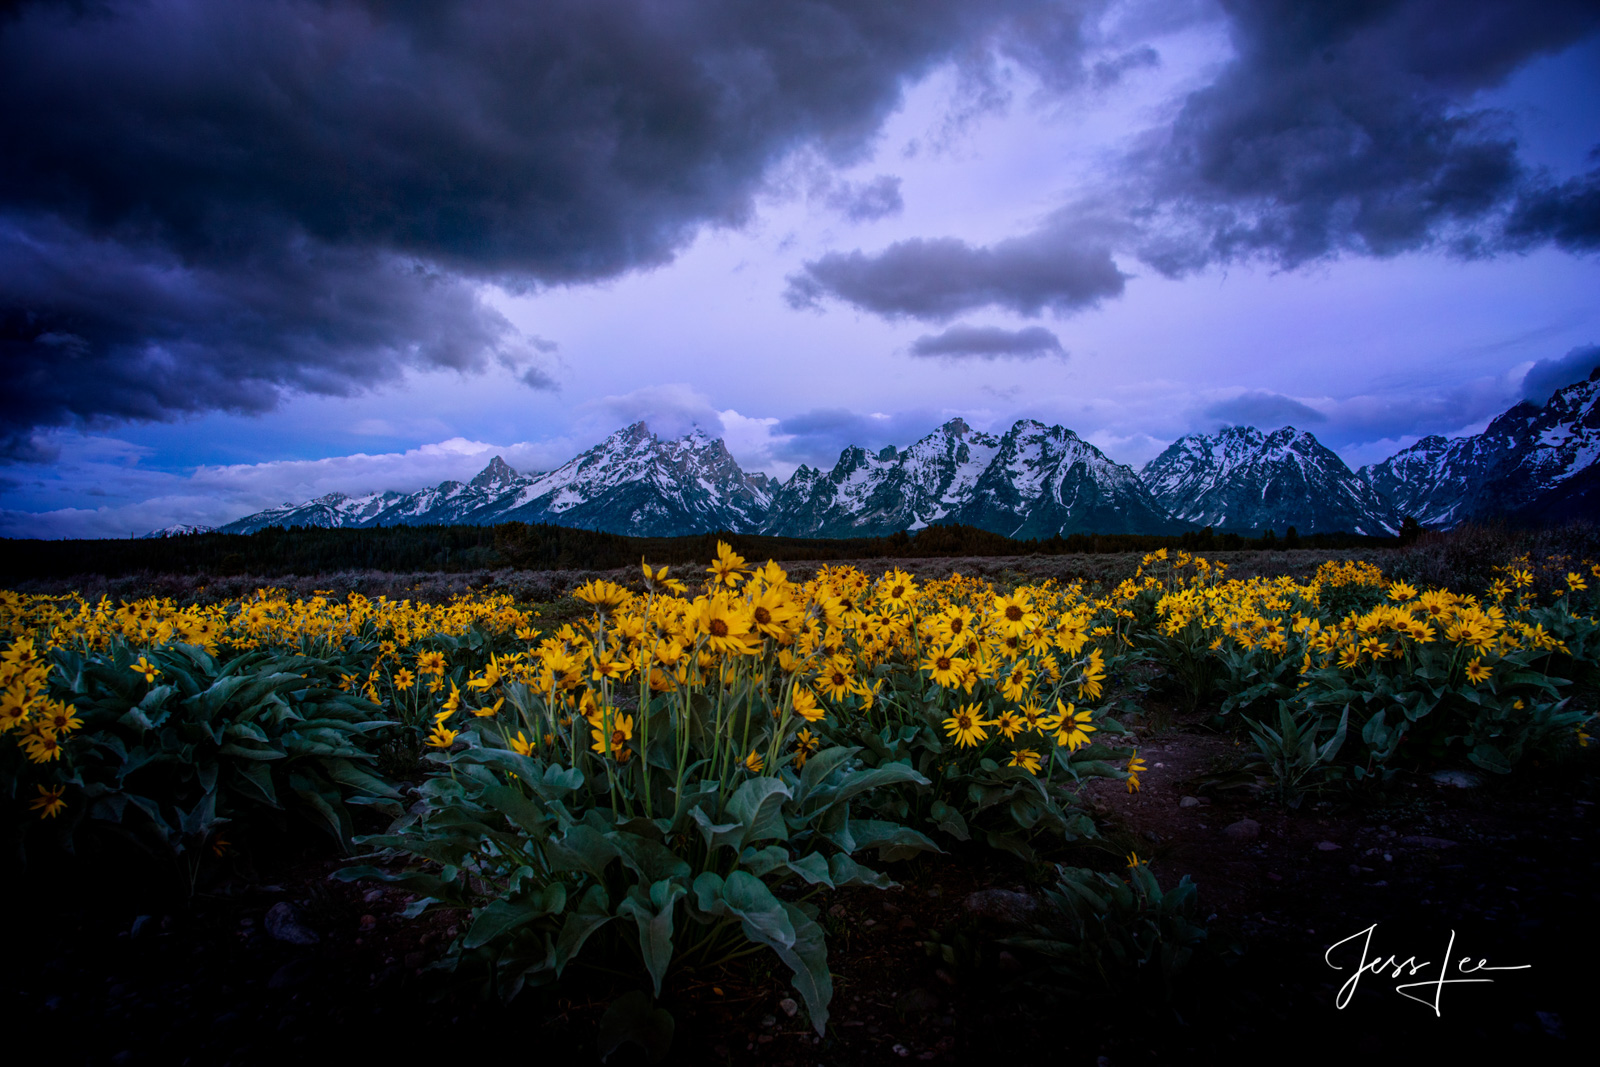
1351 128
205 205
1548 375
1061 268
962 341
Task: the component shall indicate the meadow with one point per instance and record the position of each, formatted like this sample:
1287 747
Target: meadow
674 811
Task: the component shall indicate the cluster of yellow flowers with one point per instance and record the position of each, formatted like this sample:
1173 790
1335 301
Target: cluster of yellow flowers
1277 614
817 646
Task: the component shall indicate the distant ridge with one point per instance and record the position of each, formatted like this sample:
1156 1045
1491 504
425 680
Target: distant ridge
1533 463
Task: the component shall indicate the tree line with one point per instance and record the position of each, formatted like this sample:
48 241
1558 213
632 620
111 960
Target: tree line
312 550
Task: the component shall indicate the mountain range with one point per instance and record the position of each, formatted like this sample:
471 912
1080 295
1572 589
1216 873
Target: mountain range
1535 462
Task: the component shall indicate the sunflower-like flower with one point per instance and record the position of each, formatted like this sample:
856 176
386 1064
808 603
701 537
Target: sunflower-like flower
806 706
1477 673
602 595
613 743
442 736
724 625
1073 727
1136 767
946 668
49 803
806 744
142 667
728 568
521 745
753 762
967 726
1027 759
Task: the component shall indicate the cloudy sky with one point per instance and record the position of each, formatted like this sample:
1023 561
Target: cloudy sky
261 250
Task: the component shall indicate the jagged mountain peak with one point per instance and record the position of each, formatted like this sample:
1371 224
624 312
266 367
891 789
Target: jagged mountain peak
497 473
1243 479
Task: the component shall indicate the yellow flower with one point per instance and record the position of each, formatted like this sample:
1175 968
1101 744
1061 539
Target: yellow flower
834 678
431 662
42 746
805 744
728 568
613 744
1026 758
946 668
753 762
145 669
442 737
490 712
49 803
725 627
1074 727
1575 581
1477 673
403 679
1135 861
603 595
805 705
1136 767
58 717
1401 591
1008 724
521 745
967 726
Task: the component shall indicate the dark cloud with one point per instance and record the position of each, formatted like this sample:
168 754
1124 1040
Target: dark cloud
1062 267
1566 214
114 330
868 201
989 342
1349 127
1548 375
1263 410
297 195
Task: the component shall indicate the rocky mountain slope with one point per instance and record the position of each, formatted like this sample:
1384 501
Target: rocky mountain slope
1533 464
1242 479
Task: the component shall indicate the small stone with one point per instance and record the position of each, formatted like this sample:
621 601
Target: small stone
769 1020
901 1051
285 922
372 896
1422 841
1327 846
788 1006
1189 802
906 923
1457 779
1001 906
1243 830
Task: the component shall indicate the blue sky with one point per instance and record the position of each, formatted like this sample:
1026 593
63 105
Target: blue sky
1137 220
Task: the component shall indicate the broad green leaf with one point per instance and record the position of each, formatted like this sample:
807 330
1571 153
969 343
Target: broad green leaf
503 916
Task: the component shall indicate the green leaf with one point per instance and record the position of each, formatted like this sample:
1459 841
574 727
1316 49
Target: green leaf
758 806
653 913
1490 758
593 911
581 848
503 916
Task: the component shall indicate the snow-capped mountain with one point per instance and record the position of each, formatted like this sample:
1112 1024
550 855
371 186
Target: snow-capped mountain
179 529
1034 482
1046 480
1533 464
1242 479
873 494
632 482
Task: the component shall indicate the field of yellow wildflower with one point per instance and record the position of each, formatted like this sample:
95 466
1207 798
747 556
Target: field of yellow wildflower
664 781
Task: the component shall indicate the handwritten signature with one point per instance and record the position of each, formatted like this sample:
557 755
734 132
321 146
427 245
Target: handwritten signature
1410 968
